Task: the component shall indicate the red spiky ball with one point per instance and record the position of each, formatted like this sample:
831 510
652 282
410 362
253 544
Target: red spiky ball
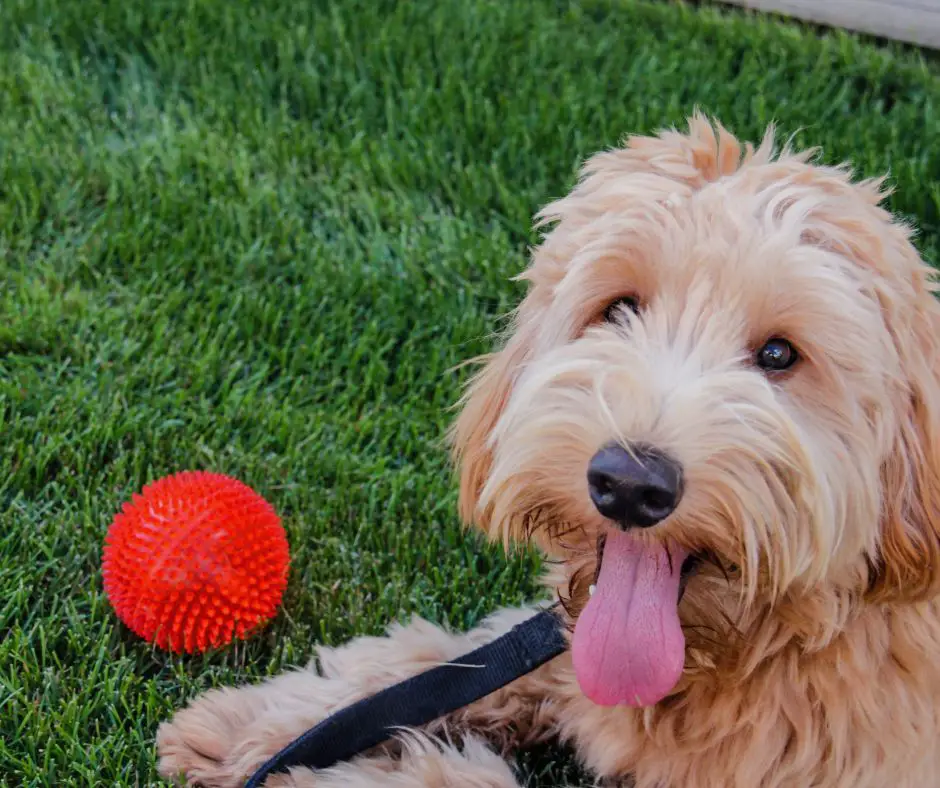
195 561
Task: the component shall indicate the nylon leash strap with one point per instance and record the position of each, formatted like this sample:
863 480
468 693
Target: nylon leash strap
423 698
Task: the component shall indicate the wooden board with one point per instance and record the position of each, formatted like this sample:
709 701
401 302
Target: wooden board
914 21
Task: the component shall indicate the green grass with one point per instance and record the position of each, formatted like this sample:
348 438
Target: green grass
255 237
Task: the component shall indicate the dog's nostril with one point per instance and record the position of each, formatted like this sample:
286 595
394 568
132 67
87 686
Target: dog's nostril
654 498
638 488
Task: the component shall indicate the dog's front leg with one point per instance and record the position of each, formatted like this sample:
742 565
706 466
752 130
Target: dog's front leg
425 762
225 734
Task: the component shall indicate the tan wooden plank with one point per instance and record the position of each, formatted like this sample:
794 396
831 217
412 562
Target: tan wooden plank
914 21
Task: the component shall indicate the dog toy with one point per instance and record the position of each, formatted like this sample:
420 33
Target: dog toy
195 561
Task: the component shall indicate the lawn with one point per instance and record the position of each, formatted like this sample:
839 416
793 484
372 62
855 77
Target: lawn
256 237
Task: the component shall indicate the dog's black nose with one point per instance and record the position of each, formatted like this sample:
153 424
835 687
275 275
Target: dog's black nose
635 489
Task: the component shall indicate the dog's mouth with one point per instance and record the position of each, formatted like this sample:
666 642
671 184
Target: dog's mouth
628 646
689 567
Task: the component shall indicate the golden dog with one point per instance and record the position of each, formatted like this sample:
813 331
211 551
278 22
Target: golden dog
718 412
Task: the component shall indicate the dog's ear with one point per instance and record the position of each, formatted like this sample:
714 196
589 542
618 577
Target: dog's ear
908 566
480 408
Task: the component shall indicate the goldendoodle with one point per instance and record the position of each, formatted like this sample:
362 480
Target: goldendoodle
718 411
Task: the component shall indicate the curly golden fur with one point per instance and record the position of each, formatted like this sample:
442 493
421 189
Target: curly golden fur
811 495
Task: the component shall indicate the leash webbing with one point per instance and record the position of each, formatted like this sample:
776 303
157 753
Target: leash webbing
422 698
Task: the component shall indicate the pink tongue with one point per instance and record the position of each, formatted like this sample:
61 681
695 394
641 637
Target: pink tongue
628 646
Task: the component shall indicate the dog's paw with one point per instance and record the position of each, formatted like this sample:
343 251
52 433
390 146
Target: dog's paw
197 746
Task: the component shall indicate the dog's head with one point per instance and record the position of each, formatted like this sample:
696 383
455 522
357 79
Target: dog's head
723 380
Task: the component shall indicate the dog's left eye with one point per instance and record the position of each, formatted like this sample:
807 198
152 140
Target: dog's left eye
621 307
777 354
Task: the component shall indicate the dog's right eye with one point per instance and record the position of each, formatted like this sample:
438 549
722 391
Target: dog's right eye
619 309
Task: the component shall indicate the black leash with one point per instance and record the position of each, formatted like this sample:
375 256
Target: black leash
422 698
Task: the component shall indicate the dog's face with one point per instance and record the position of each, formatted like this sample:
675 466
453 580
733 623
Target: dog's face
719 398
